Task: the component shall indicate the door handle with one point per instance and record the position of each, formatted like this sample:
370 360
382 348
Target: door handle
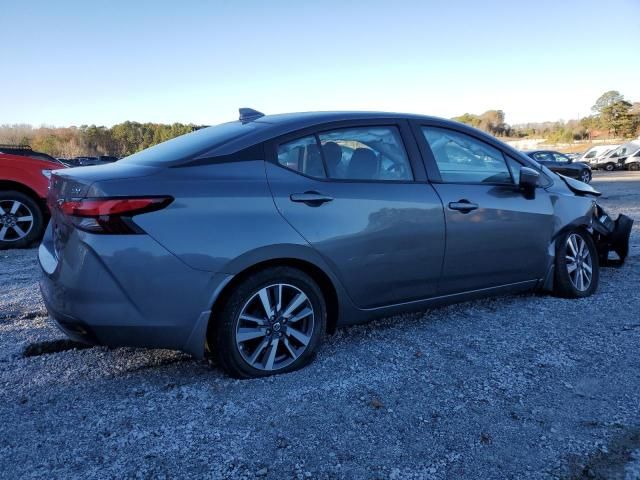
310 198
464 206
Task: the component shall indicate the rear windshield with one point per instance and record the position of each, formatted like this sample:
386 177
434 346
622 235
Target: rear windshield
192 144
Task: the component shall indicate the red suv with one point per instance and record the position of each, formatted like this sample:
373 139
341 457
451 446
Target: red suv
24 180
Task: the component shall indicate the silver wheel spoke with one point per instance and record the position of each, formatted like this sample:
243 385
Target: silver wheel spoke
291 351
3 232
587 267
21 233
303 314
251 318
298 335
571 267
266 302
25 219
258 351
295 303
279 302
14 207
246 334
272 354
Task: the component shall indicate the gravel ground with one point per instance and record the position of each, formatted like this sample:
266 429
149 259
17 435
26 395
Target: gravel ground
526 386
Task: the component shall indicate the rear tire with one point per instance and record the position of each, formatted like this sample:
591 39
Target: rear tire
577 270
634 166
249 342
610 167
585 176
21 220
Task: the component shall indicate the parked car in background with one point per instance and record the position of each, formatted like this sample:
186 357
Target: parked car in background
251 239
615 159
24 180
561 163
589 157
632 162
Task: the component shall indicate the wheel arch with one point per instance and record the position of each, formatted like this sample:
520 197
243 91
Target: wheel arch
22 188
319 275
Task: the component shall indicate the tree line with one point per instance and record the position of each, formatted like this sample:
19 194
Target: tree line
613 115
119 140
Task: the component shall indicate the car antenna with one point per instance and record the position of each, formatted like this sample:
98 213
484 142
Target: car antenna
249 115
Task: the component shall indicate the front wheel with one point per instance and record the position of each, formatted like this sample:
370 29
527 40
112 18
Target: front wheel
634 166
577 268
272 323
610 167
21 220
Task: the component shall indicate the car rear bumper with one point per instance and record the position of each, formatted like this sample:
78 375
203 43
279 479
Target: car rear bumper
115 291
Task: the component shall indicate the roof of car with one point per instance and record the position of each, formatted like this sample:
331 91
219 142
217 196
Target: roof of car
301 119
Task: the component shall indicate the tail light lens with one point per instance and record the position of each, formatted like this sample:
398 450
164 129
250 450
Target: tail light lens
110 215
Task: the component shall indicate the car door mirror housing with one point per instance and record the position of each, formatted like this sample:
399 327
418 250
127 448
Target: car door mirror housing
528 181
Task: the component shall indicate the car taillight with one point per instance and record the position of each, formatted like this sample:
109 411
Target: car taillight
110 215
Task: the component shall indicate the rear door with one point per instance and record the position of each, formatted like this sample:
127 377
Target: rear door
495 236
357 192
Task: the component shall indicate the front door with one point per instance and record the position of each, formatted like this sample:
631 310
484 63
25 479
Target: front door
495 236
352 194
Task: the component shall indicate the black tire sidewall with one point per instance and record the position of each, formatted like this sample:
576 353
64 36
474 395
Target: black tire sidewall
226 349
563 286
38 219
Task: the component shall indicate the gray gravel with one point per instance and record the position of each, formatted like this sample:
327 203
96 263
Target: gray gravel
526 386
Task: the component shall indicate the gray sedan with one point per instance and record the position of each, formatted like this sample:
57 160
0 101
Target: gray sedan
252 239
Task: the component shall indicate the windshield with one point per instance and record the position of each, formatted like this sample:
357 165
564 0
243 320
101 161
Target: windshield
192 144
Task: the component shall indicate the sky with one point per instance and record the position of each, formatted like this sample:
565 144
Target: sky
102 62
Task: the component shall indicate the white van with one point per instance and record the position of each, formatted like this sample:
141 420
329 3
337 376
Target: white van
590 156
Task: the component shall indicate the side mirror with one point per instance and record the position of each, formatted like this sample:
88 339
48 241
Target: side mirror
528 181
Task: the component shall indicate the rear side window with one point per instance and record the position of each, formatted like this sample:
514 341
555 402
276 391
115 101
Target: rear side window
361 153
366 153
463 159
303 156
191 144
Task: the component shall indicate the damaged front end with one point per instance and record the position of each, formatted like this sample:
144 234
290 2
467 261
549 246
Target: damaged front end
611 236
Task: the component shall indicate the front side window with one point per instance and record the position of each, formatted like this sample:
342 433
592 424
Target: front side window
561 158
359 153
464 159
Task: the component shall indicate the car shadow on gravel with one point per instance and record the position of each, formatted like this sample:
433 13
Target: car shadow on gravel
620 460
52 346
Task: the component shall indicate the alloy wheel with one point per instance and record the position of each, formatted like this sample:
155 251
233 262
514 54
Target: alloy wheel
274 327
579 262
586 176
16 220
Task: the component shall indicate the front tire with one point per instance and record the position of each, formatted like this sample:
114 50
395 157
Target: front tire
272 323
21 220
577 270
610 167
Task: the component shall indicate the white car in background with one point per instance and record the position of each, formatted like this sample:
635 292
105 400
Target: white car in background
616 158
591 156
633 158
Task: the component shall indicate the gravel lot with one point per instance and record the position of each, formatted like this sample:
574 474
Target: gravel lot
526 386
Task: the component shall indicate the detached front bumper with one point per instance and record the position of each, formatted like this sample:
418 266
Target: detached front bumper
611 235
